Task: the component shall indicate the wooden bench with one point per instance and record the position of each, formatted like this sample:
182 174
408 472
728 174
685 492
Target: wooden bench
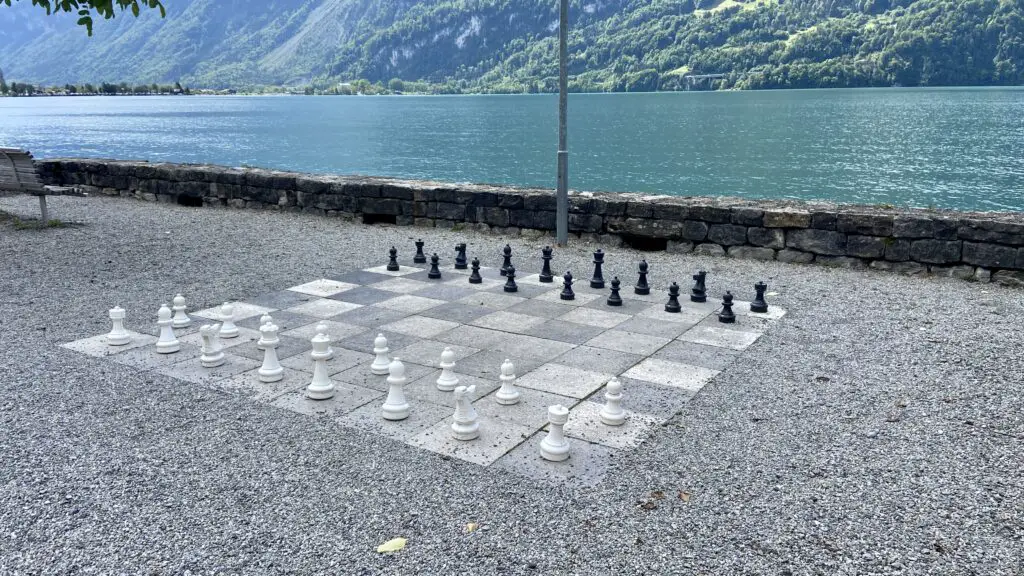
18 174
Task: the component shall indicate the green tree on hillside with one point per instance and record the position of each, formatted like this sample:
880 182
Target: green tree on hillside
3 83
86 8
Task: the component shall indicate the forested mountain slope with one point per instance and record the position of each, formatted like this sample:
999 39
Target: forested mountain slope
511 45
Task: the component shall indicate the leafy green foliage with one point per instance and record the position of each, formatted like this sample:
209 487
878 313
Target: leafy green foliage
86 8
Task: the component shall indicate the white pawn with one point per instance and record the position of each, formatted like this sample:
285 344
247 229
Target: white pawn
507 394
321 328
118 336
213 353
167 343
448 380
227 317
265 319
181 320
554 446
380 363
271 370
321 388
612 413
395 406
466 425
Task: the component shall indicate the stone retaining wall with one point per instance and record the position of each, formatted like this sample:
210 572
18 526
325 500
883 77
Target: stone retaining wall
977 246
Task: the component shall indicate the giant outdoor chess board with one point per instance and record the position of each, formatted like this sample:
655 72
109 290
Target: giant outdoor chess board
564 353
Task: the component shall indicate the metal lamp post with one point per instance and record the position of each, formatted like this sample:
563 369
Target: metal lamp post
562 193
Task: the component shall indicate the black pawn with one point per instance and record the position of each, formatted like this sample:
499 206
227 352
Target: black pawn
474 277
673 299
435 272
393 262
699 293
726 315
614 299
460 257
420 257
545 272
507 251
598 280
567 293
759 305
642 287
510 281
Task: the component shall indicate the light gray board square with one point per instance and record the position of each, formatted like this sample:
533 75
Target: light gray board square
585 423
487 272
689 306
343 360
242 311
409 304
641 325
362 376
522 346
286 348
714 357
534 279
248 384
245 335
580 300
324 308
335 330
191 370
742 323
346 399
598 359
496 439
564 380
473 337
507 321
675 374
370 316
594 317
495 300
487 364
279 300
322 287
586 466
425 388
564 331
742 308
402 270
364 295
364 341
658 314
360 277
485 285
523 291
649 398
721 337
445 292
630 307
540 308
642 344
424 275
401 286
97 345
531 410
456 312
420 326
147 359
283 319
428 353
422 415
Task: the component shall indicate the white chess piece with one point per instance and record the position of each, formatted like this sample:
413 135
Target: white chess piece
321 328
266 318
448 380
466 425
167 343
395 406
381 362
271 370
118 336
181 320
507 394
227 317
554 446
212 352
321 388
612 413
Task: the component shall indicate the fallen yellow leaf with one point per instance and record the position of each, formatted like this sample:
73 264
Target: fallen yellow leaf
393 545
684 496
471 527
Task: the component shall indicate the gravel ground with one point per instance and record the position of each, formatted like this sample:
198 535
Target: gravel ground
877 429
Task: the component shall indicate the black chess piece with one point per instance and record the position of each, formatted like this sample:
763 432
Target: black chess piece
510 279
614 299
759 305
727 316
673 299
435 272
507 251
460 256
474 277
393 262
699 293
567 293
598 280
420 257
642 287
545 272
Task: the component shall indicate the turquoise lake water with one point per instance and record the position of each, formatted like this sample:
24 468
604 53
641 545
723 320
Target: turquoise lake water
946 148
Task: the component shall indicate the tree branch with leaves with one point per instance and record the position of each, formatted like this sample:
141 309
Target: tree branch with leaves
87 8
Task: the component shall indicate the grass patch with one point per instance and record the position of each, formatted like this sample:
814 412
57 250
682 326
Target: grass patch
19 223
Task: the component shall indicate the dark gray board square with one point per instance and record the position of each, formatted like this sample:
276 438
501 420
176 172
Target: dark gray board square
564 331
422 275
283 319
654 327
713 357
280 300
487 364
371 316
598 360
522 290
457 312
364 295
742 323
288 347
364 342
586 466
627 307
539 308
444 291
648 397
147 358
360 277
361 375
